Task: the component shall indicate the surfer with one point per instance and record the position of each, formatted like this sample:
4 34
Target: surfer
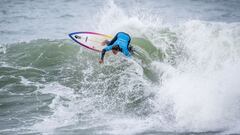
120 43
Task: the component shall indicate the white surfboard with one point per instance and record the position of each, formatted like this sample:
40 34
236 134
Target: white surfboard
90 40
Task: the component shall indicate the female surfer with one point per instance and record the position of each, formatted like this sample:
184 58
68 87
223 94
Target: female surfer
120 43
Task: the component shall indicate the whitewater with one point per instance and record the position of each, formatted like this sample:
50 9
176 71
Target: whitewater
186 82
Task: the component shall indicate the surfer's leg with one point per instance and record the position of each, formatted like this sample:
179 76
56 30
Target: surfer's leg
113 40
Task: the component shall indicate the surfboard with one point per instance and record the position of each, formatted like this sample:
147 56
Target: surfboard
90 40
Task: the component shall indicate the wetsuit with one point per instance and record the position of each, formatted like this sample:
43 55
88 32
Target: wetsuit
121 40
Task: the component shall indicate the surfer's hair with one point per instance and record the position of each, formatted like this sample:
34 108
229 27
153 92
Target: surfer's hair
116 48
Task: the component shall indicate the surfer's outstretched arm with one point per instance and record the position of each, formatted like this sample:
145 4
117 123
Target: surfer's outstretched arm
108 48
103 54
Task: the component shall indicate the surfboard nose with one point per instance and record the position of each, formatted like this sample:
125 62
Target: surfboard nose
70 35
74 35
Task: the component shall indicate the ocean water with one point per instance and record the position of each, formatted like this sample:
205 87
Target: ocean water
186 82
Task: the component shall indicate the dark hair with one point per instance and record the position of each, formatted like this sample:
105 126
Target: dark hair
116 48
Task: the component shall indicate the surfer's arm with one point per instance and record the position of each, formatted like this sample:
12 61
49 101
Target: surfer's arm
126 53
108 48
102 54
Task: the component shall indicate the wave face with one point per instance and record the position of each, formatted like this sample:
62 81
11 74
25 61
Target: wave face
184 81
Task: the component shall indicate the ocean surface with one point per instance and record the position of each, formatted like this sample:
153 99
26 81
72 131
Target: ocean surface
187 80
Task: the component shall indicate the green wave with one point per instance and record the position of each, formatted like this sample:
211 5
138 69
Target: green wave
51 55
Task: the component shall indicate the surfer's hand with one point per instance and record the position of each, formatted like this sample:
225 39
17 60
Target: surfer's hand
100 61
